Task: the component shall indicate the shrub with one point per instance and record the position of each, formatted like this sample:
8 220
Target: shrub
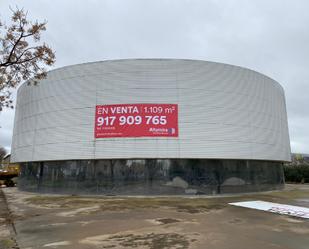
297 173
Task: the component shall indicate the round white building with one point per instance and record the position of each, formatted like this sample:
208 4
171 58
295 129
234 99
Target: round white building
151 126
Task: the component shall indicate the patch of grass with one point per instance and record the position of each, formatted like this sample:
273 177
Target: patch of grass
7 244
109 246
115 204
179 204
291 194
152 241
167 220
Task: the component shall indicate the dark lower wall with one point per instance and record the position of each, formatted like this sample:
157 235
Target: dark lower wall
151 176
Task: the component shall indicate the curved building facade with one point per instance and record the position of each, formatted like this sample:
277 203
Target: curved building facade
151 126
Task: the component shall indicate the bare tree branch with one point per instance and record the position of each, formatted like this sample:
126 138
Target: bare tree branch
18 60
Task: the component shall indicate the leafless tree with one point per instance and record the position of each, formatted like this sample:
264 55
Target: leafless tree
3 152
21 58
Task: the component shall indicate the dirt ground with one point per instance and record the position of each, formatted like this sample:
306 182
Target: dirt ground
74 222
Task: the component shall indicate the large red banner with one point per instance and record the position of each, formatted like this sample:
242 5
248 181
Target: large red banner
136 120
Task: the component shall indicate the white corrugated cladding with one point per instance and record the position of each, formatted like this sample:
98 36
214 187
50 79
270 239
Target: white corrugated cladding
224 112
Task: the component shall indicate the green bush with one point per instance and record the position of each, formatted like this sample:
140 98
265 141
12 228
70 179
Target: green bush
297 173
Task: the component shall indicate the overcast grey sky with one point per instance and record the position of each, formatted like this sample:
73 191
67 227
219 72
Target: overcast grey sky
269 36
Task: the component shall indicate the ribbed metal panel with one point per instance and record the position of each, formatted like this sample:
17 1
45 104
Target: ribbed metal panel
224 112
